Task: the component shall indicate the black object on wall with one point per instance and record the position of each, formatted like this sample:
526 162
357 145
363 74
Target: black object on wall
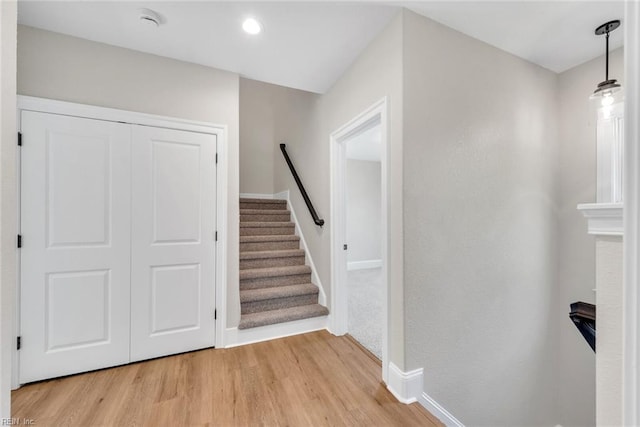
319 222
584 317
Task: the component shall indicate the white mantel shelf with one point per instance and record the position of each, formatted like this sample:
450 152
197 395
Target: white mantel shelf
603 219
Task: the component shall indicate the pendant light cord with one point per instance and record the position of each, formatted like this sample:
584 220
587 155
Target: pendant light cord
607 61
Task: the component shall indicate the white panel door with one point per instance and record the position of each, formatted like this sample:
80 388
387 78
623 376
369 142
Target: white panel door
75 259
173 242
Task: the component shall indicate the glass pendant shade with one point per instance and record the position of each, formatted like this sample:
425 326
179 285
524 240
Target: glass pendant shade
607 95
607 102
605 89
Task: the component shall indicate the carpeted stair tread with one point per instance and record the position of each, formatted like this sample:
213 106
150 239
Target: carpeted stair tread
261 212
264 215
266 204
282 253
256 273
262 294
269 242
269 238
264 201
282 315
263 228
271 256
265 224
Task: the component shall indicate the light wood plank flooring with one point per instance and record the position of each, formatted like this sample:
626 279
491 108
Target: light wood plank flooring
307 380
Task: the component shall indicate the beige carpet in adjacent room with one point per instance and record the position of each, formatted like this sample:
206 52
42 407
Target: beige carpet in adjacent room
365 308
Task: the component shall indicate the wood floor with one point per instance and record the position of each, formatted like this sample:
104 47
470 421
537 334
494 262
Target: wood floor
307 380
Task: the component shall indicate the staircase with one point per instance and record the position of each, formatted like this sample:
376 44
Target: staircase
275 283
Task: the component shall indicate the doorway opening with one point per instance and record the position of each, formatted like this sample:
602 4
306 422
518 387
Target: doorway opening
359 233
364 258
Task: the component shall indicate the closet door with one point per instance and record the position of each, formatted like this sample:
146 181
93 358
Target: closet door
173 242
75 258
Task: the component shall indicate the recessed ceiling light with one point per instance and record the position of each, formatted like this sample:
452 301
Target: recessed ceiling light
252 26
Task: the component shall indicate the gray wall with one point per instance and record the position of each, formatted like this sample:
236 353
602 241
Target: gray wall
269 115
480 165
363 200
576 269
257 143
376 73
61 67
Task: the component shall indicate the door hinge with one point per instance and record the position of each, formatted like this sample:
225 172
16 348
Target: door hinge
19 343
344 247
20 139
216 236
216 158
215 314
19 240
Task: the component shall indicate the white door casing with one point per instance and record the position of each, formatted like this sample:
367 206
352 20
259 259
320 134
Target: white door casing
173 242
376 114
75 270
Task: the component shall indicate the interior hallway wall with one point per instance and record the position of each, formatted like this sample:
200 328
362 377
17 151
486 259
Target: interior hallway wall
480 168
375 74
256 137
56 66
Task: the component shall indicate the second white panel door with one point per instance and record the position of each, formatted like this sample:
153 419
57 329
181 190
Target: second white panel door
173 242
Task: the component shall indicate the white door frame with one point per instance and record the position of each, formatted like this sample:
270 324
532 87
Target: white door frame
339 304
28 103
631 277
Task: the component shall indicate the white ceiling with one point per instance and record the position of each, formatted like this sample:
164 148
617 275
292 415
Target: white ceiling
557 35
308 45
303 45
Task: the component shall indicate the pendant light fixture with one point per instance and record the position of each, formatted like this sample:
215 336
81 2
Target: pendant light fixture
607 88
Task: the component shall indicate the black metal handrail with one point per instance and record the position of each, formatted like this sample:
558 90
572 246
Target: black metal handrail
319 222
584 317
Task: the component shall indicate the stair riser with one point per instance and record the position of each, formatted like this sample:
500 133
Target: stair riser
266 231
267 282
275 316
271 262
265 206
269 246
285 217
278 303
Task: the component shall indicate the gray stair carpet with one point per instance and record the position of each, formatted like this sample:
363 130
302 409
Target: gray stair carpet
275 282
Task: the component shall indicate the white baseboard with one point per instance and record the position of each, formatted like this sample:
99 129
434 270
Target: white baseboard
405 386
283 195
322 296
235 337
258 196
438 411
361 265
